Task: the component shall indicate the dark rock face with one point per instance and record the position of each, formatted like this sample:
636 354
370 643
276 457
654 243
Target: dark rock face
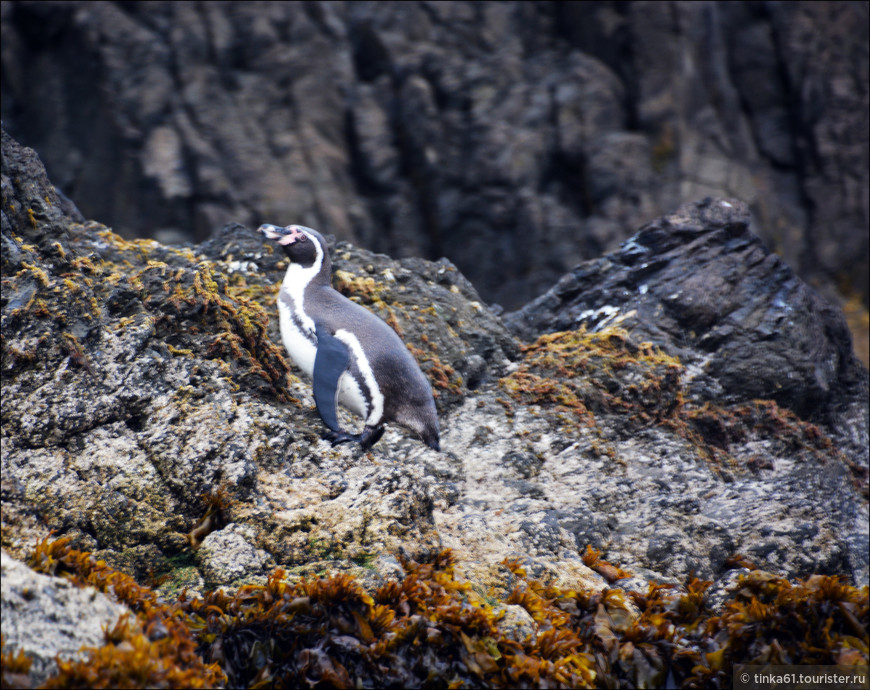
515 138
702 286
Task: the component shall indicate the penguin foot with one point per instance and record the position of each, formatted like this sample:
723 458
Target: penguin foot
369 437
336 437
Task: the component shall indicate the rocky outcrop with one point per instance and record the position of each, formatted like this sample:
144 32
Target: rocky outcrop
515 138
151 373
700 285
50 617
147 410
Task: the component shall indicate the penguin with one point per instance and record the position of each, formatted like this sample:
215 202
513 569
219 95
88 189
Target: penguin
352 356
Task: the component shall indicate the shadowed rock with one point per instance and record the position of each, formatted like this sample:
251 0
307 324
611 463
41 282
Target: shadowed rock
515 138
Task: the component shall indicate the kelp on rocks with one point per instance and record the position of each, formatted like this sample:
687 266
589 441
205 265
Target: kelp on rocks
433 630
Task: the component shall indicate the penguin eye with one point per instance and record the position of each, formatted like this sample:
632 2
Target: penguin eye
295 234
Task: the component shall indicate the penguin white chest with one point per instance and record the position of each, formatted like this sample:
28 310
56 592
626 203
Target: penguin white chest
298 345
297 328
297 331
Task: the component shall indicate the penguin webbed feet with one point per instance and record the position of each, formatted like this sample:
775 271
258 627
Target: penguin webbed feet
369 436
336 437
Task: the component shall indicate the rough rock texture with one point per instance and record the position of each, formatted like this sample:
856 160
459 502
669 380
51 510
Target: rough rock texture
139 377
146 409
744 328
515 138
50 617
740 319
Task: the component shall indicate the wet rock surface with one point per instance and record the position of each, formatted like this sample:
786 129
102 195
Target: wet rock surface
148 406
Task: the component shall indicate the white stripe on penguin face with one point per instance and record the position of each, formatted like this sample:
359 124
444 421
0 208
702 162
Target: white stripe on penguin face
296 280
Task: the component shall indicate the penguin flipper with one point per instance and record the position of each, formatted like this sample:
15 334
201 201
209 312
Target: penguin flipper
330 362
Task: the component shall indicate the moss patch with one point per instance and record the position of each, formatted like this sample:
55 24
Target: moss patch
579 375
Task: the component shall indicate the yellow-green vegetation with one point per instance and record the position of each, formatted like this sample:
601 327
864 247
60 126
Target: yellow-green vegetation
367 291
717 428
583 373
360 288
39 273
203 316
433 630
442 376
158 650
580 374
15 667
65 299
240 323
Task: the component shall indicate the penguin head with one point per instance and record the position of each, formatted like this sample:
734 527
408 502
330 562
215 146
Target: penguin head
302 245
423 420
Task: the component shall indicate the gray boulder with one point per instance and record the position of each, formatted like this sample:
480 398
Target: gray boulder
49 617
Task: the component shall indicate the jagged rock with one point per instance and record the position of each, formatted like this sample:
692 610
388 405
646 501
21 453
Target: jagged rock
49 617
515 138
699 284
143 388
139 377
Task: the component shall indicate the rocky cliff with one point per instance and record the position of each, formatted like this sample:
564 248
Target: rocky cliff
515 138
683 406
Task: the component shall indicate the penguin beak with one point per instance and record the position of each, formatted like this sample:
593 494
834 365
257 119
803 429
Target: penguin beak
284 236
273 232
